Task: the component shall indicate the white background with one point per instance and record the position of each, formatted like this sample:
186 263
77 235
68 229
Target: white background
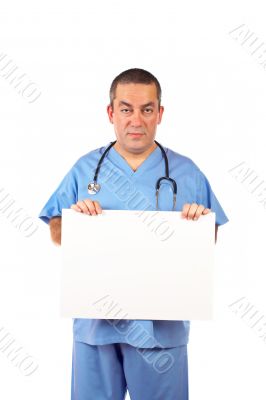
214 98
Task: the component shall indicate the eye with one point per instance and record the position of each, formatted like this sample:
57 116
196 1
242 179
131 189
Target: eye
125 110
148 110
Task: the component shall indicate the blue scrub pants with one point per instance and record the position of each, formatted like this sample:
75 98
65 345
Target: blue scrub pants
106 372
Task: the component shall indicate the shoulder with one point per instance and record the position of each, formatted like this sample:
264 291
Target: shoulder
88 159
85 163
182 161
91 155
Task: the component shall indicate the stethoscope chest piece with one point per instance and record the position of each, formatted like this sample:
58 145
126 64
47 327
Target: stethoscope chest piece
93 188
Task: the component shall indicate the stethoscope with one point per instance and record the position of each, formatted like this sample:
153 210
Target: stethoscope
95 187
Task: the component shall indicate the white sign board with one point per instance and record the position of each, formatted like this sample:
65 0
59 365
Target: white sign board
137 265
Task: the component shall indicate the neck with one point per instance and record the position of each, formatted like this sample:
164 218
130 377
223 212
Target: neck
134 159
132 155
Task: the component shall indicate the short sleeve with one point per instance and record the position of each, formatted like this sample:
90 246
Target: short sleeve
206 197
64 196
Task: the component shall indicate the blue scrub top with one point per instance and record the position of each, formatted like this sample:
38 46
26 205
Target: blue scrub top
124 189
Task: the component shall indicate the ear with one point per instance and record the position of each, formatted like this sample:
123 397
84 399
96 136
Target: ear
160 115
110 113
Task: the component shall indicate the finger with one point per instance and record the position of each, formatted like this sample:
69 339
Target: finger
192 211
198 212
185 210
90 205
83 206
75 207
206 211
98 207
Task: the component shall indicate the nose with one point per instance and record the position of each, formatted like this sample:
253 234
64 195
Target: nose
136 120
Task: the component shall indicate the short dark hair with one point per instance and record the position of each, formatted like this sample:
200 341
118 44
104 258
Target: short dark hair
134 75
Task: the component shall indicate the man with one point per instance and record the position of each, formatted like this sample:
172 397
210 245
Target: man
105 362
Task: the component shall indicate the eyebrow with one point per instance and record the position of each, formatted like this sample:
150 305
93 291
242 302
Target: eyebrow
124 103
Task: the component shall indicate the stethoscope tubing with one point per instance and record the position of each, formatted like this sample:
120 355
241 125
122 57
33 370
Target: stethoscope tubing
94 187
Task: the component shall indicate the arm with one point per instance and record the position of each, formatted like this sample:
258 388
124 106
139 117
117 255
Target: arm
86 206
55 230
216 231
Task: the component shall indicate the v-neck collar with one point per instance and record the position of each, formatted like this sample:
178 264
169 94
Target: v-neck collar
153 158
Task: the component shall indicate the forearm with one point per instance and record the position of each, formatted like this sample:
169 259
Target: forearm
216 231
55 230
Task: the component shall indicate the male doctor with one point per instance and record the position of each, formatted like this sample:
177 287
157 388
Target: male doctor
108 361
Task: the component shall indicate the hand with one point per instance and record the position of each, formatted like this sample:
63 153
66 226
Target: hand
87 206
194 211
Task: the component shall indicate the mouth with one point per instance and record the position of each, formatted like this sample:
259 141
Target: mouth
136 134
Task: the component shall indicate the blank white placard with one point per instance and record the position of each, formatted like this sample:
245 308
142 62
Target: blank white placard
125 264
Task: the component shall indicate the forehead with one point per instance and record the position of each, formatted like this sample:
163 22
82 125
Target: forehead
136 93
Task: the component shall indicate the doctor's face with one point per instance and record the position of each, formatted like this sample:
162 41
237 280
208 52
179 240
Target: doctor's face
135 115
